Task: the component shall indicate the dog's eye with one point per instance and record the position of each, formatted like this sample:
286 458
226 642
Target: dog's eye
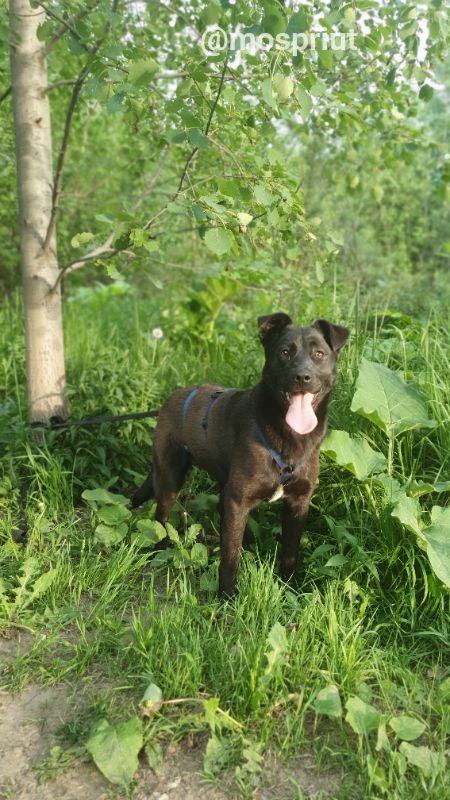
285 352
319 354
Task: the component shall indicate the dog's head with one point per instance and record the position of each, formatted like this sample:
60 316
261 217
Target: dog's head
300 366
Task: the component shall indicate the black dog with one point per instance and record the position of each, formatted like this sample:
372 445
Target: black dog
259 444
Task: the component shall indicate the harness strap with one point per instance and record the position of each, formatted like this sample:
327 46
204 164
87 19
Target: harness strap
215 396
188 401
286 470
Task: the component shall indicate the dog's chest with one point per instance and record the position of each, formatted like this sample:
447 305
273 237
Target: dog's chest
277 495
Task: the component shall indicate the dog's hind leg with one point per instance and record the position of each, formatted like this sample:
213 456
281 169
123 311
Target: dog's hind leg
169 475
144 493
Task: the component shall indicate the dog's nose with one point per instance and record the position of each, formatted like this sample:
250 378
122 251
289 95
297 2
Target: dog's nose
303 377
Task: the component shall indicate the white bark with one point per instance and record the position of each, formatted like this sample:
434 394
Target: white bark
46 381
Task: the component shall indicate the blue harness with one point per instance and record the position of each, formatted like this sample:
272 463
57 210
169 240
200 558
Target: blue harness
286 470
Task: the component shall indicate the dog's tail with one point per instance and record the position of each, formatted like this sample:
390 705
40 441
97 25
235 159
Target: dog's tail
144 493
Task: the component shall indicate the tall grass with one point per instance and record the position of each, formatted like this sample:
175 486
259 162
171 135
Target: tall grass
376 626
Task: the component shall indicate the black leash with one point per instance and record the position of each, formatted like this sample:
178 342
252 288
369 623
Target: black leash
20 533
57 422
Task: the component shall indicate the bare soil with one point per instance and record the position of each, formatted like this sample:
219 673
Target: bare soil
28 724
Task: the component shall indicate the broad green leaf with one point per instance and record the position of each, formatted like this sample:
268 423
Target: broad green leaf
267 93
197 138
217 754
426 92
228 187
283 86
262 196
437 537
140 72
81 238
109 535
199 554
244 219
299 22
419 488
40 586
152 699
336 561
422 757
355 454
277 646
361 716
328 701
349 15
219 241
113 514
150 532
305 102
115 749
383 397
155 756
98 497
407 510
407 728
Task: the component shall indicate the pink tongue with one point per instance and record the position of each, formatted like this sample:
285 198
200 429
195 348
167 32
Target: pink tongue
300 415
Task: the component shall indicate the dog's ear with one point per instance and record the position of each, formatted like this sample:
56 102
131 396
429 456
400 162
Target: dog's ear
334 335
273 323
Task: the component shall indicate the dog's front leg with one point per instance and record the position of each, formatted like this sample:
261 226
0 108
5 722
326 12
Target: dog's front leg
295 512
234 511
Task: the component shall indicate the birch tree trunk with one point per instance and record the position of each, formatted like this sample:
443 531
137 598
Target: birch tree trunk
46 382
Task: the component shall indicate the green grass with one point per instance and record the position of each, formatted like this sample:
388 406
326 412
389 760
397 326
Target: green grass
376 627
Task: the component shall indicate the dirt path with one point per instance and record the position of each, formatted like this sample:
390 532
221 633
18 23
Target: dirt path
28 724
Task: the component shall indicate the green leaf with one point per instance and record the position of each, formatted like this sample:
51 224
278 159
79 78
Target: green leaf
115 749
199 554
299 22
140 72
349 15
437 537
407 728
361 716
80 239
228 187
383 397
243 218
305 102
426 92
328 701
283 86
112 515
152 699
40 586
96 497
108 535
407 510
197 138
262 196
277 646
150 532
219 241
155 756
422 757
355 454
267 93
336 561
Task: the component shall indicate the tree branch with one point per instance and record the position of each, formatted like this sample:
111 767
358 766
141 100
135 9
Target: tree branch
65 140
5 94
65 25
193 152
105 249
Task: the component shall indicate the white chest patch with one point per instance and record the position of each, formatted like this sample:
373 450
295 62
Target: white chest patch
279 492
